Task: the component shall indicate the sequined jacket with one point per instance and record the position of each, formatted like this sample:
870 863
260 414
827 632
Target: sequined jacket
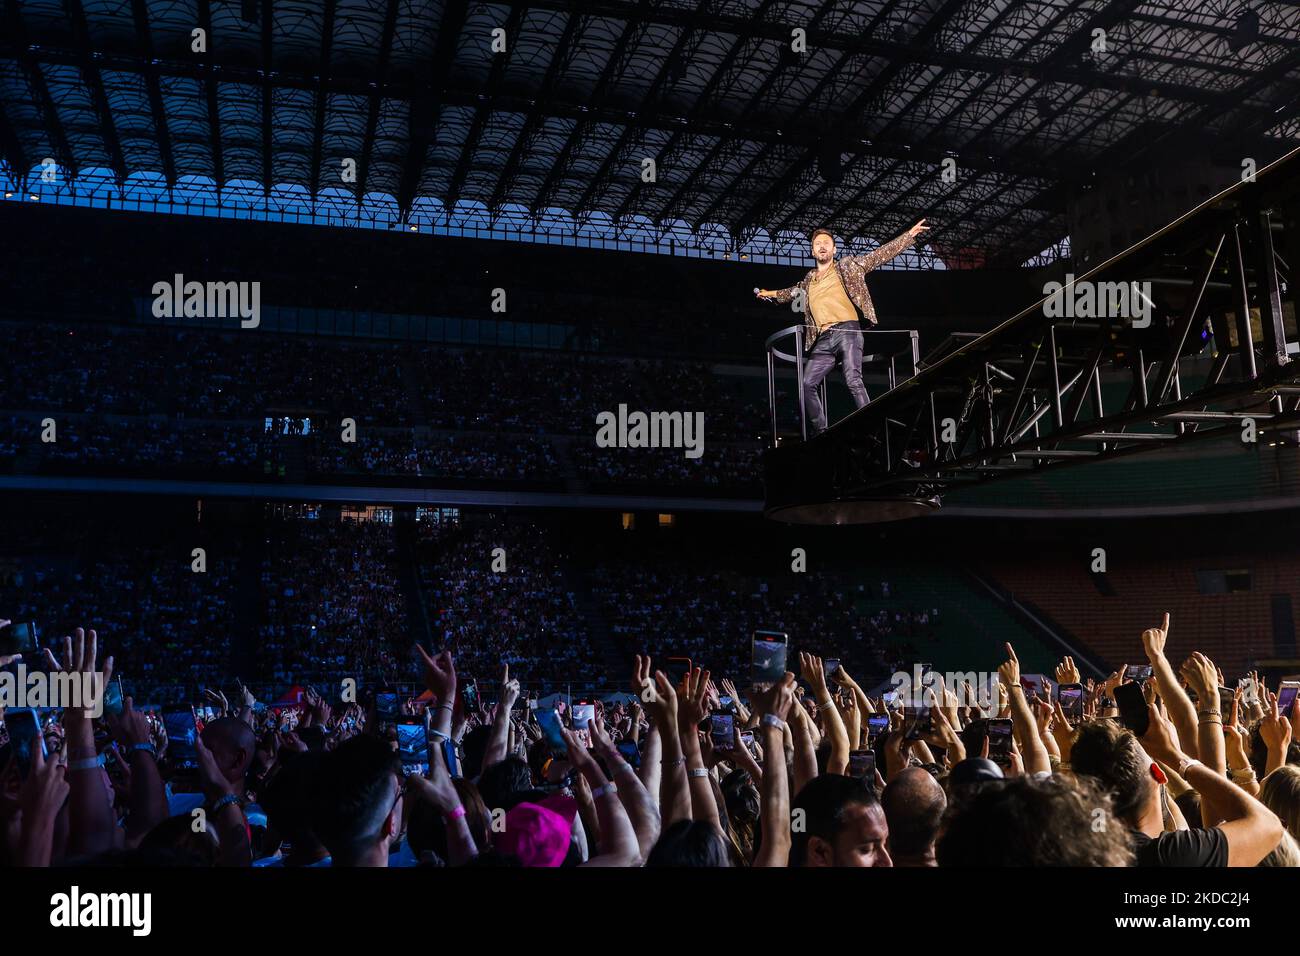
853 273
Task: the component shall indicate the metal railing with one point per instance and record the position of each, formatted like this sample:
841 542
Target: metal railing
889 361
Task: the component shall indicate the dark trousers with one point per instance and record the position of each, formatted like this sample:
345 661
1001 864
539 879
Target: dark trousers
841 344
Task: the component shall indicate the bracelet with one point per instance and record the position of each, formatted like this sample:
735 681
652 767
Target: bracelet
824 703
439 734
147 748
455 814
610 787
1187 765
86 763
699 772
445 707
1245 773
772 720
624 767
226 801
673 763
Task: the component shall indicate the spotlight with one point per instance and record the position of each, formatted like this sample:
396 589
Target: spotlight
9 194
34 198
414 228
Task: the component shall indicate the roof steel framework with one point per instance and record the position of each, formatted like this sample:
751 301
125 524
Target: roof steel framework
752 140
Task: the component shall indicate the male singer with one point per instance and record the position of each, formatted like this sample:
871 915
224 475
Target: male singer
833 292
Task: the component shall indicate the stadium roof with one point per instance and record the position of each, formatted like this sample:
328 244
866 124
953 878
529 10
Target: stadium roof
751 139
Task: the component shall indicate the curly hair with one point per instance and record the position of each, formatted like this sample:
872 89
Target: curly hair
1027 821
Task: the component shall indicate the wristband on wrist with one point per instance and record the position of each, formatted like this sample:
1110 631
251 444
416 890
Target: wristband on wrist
772 720
1187 764
599 792
86 763
147 748
699 772
226 801
439 734
624 767
673 763
457 813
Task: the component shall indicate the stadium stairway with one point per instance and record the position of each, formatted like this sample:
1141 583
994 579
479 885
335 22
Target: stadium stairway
972 627
617 665
410 376
417 611
249 606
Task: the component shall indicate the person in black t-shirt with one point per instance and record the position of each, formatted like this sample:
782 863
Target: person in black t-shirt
1126 767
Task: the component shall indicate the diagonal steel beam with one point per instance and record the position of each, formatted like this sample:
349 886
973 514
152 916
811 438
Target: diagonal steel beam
144 46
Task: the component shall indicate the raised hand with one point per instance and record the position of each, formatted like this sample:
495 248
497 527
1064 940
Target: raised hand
1067 672
917 229
1153 640
1009 670
1275 731
509 689
439 675
130 727
41 797
692 705
1202 678
81 652
811 669
778 700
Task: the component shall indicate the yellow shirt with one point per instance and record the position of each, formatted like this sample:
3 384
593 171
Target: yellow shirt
828 301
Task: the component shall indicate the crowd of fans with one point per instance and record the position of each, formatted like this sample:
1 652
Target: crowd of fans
333 602
173 401
804 770
498 594
172 627
438 455
664 608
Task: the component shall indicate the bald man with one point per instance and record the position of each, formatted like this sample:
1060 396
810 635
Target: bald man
914 804
232 744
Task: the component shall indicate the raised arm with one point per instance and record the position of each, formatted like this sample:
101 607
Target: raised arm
41 797
1252 829
1203 678
691 710
815 675
660 700
878 257
773 707
148 798
93 827
499 741
618 841
1181 710
636 799
439 790
1026 727
799 727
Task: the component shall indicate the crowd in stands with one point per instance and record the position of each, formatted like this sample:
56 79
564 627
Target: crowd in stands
708 614
803 769
172 626
333 603
437 455
498 594
171 401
